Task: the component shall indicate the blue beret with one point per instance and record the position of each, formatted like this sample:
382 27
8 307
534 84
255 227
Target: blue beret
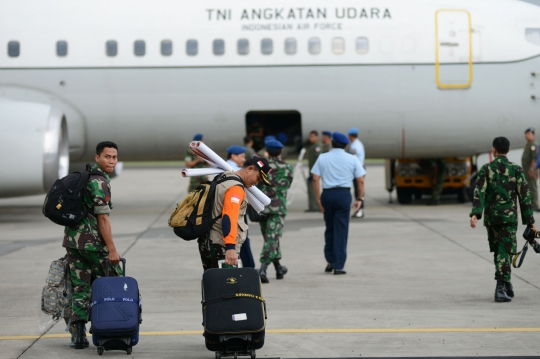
198 137
282 137
236 150
269 138
273 145
340 138
353 131
327 133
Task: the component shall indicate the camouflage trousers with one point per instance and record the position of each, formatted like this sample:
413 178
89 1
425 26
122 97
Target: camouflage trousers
211 254
86 266
437 181
502 242
272 230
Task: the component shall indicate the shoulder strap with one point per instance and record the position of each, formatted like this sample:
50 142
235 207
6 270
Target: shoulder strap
231 178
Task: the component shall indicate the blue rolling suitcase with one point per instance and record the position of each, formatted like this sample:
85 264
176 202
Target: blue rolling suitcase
115 312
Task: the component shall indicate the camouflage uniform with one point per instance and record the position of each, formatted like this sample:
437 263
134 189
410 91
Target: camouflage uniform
530 153
499 186
438 181
194 182
313 150
250 152
85 246
280 179
211 253
325 148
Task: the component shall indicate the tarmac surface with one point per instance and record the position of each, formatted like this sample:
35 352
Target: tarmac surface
419 281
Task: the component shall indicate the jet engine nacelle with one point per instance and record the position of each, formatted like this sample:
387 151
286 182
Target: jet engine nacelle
34 147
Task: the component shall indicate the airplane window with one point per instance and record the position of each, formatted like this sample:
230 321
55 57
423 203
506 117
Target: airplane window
243 46
267 46
61 48
192 47
111 48
139 48
14 49
219 47
533 35
338 45
166 47
314 45
290 46
362 45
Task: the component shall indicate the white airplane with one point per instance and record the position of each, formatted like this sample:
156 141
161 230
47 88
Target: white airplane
420 78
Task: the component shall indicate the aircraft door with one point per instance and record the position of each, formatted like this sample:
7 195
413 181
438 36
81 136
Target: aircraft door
453 58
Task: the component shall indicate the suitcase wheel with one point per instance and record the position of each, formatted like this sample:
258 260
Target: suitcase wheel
100 350
128 350
218 355
252 354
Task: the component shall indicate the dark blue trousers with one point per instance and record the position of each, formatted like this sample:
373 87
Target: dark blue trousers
337 208
246 256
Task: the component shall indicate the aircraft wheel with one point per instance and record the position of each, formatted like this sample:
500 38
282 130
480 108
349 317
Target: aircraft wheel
404 195
462 196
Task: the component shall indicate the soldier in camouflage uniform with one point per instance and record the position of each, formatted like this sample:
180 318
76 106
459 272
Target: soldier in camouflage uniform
280 178
326 141
438 171
499 186
193 161
528 163
313 150
90 243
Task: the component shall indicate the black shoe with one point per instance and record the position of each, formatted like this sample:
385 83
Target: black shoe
262 273
80 335
329 268
434 202
500 292
311 210
280 270
509 289
339 272
536 210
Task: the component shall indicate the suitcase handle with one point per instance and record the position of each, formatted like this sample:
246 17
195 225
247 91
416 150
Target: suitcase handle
123 260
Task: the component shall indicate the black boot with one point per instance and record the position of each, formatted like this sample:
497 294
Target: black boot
262 273
280 270
509 289
500 292
80 335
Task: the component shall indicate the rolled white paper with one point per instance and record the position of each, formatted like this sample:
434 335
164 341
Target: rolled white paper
255 197
194 172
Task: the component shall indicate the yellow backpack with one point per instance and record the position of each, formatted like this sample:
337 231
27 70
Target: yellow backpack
192 218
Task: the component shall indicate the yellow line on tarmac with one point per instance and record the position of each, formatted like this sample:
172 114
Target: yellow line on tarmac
314 331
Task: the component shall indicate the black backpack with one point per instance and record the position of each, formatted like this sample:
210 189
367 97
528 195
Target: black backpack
192 218
64 203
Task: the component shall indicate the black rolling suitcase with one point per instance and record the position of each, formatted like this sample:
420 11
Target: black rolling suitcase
234 311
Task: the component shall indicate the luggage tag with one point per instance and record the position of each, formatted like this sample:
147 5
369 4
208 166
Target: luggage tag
239 317
222 261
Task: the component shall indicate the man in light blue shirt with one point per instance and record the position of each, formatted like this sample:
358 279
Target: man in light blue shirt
236 156
356 148
337 169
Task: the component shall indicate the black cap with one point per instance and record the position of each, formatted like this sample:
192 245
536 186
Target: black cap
530 129
262 165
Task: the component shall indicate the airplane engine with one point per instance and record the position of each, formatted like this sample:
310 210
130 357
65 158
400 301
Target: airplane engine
34 148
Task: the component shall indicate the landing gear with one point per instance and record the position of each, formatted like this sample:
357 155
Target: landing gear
404 195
